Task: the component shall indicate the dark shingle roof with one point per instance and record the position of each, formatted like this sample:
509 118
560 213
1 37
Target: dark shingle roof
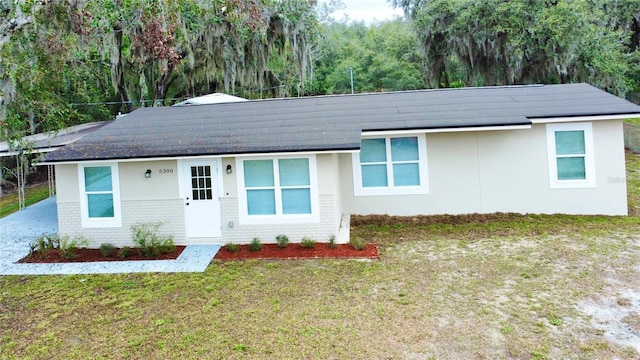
326 123
45 142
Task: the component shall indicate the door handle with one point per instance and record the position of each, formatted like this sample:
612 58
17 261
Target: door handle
187 203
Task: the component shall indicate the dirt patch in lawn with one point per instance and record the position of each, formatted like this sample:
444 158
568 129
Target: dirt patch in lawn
616 315
93 255
295 251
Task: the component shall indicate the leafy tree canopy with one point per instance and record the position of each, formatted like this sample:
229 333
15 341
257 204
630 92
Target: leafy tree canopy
114 55
382 57
494 42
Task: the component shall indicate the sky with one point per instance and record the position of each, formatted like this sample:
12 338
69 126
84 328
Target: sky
367 10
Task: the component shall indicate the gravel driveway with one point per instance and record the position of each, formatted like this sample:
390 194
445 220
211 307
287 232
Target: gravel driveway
20 229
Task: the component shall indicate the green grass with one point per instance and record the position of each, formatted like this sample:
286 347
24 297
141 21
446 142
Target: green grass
9 202
633 184
485 298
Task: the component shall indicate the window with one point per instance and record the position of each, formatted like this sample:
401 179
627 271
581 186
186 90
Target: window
277 188
570 149
391 165
99 195
201 188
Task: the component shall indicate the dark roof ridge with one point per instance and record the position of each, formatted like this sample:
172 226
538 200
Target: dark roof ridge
414 91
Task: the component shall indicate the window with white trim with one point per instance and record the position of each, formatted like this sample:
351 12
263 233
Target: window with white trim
570 150
391 165
99 195
277 189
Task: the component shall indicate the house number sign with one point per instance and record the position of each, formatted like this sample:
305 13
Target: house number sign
165 171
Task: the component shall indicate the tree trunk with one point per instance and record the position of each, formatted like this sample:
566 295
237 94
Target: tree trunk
119 71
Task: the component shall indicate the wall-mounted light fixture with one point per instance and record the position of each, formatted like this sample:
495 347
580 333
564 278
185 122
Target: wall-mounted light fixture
229 171
147 174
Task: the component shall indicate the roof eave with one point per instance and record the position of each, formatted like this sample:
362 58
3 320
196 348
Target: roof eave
462 128
584 117
191 155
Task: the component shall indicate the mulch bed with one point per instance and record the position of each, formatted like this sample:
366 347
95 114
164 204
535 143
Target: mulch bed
92 255
295 251
269 251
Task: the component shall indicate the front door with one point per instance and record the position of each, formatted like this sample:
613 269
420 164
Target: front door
200 194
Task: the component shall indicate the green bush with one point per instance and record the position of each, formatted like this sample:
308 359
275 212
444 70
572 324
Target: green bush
231 247
255 244
125 252
44 244
68 245
150 244
283 241
332 242
307 243
106 249
358 243
65 245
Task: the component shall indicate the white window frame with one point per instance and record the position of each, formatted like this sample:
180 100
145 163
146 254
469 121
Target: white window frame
279 217
589 162
116 220
391 189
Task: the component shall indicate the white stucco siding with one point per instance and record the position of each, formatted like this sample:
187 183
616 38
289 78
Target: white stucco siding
513 171
157 199
329 181
501 171
329 212
153 199
229 186
67 183
163 183
452 175
525 186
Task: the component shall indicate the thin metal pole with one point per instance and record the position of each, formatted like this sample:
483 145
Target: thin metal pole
21 180
351 74
51 179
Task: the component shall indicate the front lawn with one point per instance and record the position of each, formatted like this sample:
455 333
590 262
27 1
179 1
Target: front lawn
501 286
9 201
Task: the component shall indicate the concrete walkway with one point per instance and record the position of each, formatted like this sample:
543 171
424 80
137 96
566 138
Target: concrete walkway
19 230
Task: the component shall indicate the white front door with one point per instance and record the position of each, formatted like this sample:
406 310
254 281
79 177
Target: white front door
200 194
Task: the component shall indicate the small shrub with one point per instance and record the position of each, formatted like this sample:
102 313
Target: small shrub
106 249
167 246
231 247
125 252
65 245
332 242
358 243
68 246
283 241
307 243
44 244
255 244
145 235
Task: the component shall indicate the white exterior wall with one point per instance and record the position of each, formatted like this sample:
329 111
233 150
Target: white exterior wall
320 231
502 171
142 200
243 234
469 172
158 199
138 211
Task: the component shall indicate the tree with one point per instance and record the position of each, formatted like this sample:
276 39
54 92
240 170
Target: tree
383 57
120 54
494 42
66 62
